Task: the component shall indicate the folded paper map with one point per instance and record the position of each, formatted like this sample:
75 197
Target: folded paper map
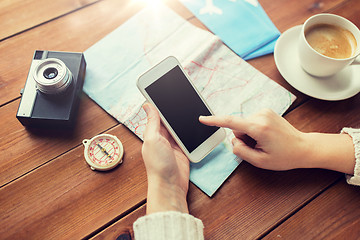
229 84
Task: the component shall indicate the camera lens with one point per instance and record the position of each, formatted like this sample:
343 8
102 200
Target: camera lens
50 73
52 76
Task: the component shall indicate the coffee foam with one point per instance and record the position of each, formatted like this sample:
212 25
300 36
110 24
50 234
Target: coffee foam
332 41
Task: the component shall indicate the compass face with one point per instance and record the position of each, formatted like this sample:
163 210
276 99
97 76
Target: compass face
103 152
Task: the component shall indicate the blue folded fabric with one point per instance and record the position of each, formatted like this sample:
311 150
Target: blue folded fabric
267 49
242 25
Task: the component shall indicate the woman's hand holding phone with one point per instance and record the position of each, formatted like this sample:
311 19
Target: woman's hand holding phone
166 165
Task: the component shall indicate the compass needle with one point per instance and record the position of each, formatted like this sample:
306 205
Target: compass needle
104 150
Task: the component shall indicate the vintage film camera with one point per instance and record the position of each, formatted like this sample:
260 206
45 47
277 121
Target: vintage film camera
52 90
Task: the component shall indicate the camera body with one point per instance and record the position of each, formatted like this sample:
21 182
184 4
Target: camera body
51 95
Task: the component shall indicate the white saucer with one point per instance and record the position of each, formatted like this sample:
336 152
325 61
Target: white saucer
342 85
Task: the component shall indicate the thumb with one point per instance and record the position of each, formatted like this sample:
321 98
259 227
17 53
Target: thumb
153 121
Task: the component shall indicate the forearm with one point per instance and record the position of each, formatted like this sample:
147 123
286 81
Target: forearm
164 196
330 151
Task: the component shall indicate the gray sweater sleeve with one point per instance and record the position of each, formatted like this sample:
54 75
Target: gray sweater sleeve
168 225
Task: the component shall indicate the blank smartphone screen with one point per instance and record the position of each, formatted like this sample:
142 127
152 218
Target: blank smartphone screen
181 106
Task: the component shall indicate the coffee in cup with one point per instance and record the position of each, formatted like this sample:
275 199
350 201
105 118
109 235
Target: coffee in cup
331 40
327 44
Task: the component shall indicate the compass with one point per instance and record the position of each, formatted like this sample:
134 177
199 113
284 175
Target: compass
103 152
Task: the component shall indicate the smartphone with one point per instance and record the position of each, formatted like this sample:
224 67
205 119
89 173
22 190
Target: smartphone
168 87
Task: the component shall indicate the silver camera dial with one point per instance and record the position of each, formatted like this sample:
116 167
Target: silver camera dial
52 76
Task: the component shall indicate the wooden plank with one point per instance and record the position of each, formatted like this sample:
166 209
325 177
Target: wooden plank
74 32
19 15
350 10
253 200
123 226
335 214
23 150
330 117
64 199
286 14
247 204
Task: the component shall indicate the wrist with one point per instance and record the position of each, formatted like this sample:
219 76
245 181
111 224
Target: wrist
329 151
310 156
164 195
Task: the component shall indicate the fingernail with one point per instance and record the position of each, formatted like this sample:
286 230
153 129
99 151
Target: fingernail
146 107
233 141
202 118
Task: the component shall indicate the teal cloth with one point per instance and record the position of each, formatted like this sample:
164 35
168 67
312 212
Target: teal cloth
242 25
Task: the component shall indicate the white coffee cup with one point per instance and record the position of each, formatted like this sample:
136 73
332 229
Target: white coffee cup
318 64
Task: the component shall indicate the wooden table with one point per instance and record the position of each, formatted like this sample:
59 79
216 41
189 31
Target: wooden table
48 192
